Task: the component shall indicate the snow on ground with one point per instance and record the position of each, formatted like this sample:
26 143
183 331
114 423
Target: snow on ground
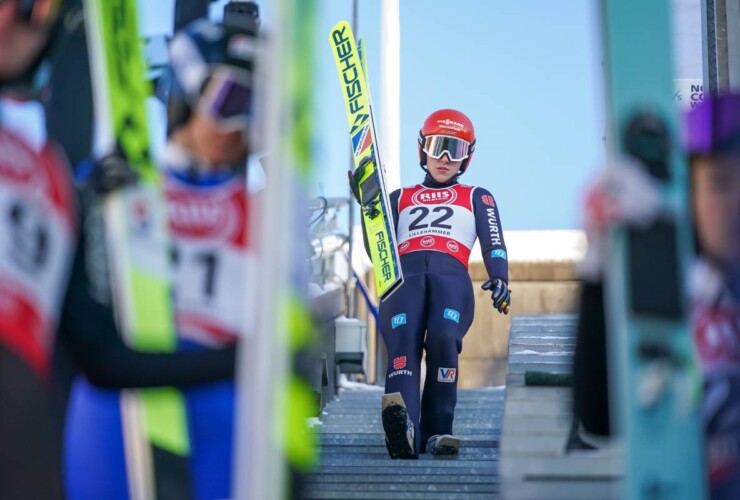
530 352
541 337
537 246
349 385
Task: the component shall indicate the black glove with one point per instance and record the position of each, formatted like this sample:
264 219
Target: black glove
354 177
500 294
111 172
354 186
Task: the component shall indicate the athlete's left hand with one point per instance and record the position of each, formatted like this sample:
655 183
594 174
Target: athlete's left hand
111 172
500 294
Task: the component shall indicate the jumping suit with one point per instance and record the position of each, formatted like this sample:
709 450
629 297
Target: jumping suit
715 321
38 234
46 304
208 225
436 225
716 328
208 219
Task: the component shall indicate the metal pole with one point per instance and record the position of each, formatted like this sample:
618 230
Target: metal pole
707 46
732 10
721 31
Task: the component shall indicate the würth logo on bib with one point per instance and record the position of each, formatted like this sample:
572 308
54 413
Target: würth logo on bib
447 375
427 242
434 196
399 362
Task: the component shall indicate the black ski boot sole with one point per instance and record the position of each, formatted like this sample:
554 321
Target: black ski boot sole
394 424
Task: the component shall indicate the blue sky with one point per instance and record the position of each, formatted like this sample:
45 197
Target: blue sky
527 74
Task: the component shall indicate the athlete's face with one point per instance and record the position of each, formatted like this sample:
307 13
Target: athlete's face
442 170
214 146
20 43
716 205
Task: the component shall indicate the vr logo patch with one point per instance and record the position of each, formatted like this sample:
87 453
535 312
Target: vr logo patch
398 320
447 375
498 254
452 315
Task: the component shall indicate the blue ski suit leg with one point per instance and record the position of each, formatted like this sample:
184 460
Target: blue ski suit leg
402 326
432 310
451 306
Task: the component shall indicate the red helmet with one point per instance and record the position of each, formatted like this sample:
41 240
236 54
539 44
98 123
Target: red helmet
447 124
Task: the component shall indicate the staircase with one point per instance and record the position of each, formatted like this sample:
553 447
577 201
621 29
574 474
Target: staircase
356 465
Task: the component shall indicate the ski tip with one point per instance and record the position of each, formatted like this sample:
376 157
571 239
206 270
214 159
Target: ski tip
340 32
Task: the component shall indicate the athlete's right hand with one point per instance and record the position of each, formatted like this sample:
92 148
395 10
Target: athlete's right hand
354 177
500 294
354 184
623 193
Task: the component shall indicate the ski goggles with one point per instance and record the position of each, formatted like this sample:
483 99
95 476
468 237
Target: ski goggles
437 145
228 98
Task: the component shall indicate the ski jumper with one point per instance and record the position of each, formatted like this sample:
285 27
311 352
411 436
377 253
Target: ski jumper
38 233
436 225
715 316
207 218
46 302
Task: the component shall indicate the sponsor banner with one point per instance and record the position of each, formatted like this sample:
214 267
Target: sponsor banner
451 125
399 362
493 228
396 373
499 253
447 375
398 320
440 244
688 92
434 196
452 315
217 214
